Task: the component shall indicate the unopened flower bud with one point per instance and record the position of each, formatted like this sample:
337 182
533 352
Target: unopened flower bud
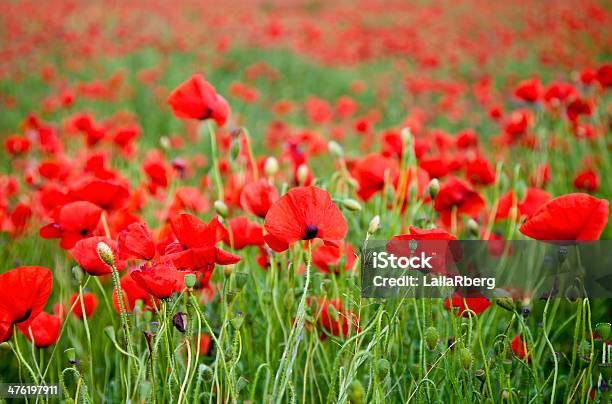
466 358
190 281
356 392
240 279
110 332
77 272
473 227
221 208
603 329
433 188
234 149
105 253
71 355
383 367
505 302
164 142
271 166
302 173
179 321
431 338
205 372
374 224
351 204
335 149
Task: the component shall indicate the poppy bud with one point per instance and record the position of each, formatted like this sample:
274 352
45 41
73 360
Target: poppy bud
374 224
335 149
302 173
164 142
241 383
71 355
507 365
110 332
603 329
332 312
179 321
383 368
351 204
353 183
356 392
227 271
237 321
407 137
77 272
585 349
271 166
190 280
234 149
105 253
473 227
466 358
221 208
433 188
205 372
240 279
431 338
505 302
480 375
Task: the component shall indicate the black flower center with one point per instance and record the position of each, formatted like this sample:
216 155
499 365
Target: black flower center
24 318
310 232
84 232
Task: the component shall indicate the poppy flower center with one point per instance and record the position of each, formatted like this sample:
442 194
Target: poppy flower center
83 232
310 232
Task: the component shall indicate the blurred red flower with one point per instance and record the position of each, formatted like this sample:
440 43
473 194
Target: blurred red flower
161 278
196 98
72 222
457 195
257 197
90 301
44 329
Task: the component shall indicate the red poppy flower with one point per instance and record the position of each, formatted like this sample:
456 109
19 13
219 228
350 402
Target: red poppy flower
520 348
196 247
90 301
24 292
161 279
479 172
303 213
243 233
73 222
43 330
528 90
136 242
131 292
85 252
570 217
456 194
578 107
328 258
604 75
257 197
197 99
370 172
107 194
17 145
475 303
338 325
533 200
205 343
587 180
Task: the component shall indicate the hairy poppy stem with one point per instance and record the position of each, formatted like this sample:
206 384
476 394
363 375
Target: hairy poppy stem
215 160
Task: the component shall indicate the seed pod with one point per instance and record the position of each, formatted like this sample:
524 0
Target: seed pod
205 372
431 338
237 320
240 279
190 280
466 358
351 204
105 253
383 367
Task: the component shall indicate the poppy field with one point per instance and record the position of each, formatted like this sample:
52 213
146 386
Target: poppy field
187 189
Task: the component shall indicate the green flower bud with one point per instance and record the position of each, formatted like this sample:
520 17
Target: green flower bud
240 279
507 365
351 204
77 272
433 188
374 224
383 367
356 392
237 320
603 329
302 173
205 372
505 302
221 208
71 355
466 358
431 338
271 166
335 149
105 253
473 227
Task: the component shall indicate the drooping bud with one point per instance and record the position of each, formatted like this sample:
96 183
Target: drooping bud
71 355
351 204
335 149
473 227
105 253
433 188
77 272
221 208
431 338
374 224
466 358
271 166
603 329
179 321
110 332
